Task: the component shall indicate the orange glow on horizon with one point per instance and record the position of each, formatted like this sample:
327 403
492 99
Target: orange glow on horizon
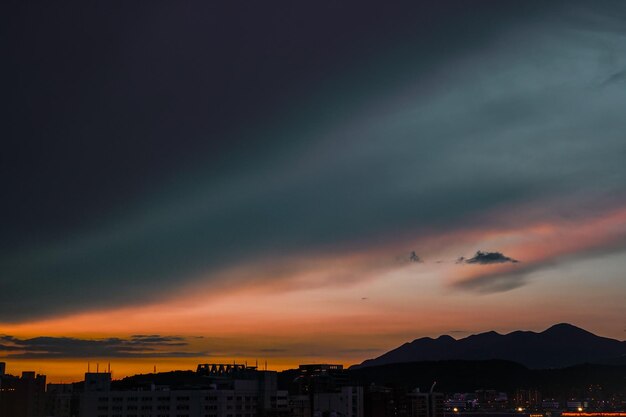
73 370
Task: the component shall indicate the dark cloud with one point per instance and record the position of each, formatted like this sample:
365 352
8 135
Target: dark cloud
155 338
137 159
138 346
487 258
410 258
414 258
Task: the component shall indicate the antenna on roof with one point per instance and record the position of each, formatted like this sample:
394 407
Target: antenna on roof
97 368
433 387
88 367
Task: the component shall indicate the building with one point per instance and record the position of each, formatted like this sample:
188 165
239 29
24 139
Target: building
97 382
380 401
314 378
300 405
62 400
325 390
216 390
3 368
347 402
24 396
422 404
527 398
550 404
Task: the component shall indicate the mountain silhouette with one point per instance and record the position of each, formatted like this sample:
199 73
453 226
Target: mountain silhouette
559 346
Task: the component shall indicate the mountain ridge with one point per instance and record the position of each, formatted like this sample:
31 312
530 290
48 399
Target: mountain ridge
558 346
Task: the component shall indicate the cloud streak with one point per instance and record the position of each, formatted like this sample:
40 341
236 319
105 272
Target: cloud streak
450 121
138 346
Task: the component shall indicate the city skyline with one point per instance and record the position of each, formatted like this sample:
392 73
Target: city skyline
306 183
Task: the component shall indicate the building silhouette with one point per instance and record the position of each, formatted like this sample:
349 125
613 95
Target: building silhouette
23 396
422 404
216 390
325 390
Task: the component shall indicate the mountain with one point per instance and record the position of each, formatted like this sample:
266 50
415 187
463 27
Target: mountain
559 346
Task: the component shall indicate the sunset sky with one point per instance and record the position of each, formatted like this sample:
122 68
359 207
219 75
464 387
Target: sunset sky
294 182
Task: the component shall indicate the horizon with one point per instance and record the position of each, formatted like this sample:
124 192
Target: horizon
306 182
138 366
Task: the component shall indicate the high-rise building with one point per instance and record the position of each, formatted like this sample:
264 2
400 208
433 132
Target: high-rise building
3 368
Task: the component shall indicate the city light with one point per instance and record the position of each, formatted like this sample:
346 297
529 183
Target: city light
592 414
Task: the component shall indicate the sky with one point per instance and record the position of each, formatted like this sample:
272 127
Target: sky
299 182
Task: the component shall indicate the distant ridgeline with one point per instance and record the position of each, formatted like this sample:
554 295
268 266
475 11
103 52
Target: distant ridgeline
559 346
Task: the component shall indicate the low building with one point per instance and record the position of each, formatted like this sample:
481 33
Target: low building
217 391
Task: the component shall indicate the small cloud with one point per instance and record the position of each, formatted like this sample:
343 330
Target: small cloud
364 298
486 258
411 257
460 260
414 258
